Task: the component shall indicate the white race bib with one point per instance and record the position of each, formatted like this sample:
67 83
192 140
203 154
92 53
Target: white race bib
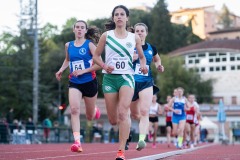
138 70
179 111
78 65
189 117
169 114
120 64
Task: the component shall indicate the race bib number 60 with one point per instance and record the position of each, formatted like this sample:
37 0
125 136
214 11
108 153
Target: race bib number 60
120 64
78 65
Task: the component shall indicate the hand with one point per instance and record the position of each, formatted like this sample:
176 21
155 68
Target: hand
78 73
108 69
58 75
144 69
160 68
176 111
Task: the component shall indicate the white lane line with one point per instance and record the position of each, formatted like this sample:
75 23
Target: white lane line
73 155
172 153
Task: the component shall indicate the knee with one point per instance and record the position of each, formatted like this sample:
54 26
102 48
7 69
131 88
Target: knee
113 122
144 112
122 117
135 116
75 110
89 118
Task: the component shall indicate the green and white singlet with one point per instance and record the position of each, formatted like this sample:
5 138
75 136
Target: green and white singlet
119 53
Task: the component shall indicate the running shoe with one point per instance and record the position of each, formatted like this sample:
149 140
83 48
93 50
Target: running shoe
154 145
128 141
120 155
76 147
141 144
149 136
98 113
179 146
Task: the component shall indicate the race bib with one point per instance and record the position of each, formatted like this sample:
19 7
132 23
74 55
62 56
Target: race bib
138 70
189 117
78 65
179 111
169 114
120 64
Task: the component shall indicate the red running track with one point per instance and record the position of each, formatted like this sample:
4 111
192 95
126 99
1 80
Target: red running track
100 151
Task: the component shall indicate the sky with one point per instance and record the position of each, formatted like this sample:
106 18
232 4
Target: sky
57 12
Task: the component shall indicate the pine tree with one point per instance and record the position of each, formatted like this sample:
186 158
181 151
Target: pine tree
161 31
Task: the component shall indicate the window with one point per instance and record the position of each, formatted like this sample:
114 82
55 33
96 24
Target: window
212 54
202 69
217 68
222 54
232 67
232 58
238 67
223 68
196 61
190 61
201 55
217 59
210 60
193 55
224 59
211 69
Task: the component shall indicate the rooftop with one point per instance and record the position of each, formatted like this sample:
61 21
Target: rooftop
223 45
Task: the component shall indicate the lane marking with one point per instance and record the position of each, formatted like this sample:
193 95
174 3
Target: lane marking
171 153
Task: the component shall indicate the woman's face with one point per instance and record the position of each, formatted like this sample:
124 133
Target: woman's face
120 18
80 29
180 92
191 98
141 31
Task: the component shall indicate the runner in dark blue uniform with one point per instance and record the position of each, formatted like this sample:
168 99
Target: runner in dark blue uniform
144 85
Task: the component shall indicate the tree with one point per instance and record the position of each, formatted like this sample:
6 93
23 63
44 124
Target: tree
225 17
184 36
161 30
175 75
137 16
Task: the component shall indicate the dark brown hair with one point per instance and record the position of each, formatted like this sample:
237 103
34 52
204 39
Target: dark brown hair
110 24
93 33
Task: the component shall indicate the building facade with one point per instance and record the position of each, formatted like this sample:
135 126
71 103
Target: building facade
218 60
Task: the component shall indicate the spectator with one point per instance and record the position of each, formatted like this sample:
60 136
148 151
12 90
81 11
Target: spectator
56 131
47 124
30 128
4 132
9 118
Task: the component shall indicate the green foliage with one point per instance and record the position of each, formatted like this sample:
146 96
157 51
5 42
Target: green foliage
137 16
161 33
175 75
99 23
225 17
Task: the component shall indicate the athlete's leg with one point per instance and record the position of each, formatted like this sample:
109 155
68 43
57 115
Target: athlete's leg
124 120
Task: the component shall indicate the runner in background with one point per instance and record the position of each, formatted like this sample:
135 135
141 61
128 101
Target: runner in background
144 85
178 105
154 111
191 112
